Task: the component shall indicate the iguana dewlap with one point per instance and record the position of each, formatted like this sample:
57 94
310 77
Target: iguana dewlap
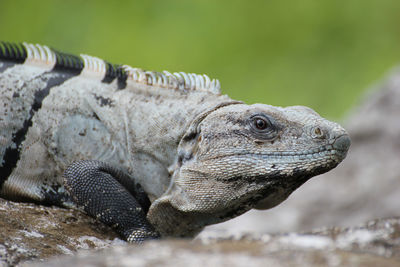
151 154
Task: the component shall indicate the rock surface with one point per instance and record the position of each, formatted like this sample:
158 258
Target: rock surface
30 231
365 186
376 243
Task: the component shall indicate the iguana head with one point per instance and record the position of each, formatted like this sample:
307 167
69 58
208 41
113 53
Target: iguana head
240 157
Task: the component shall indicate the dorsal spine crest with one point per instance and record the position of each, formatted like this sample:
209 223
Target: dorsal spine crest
35 54
93 66
40 56
10 51
177 80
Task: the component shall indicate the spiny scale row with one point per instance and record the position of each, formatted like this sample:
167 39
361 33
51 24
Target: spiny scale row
39 52
36 53
176 80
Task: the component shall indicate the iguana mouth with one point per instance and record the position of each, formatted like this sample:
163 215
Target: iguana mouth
316 153
336 150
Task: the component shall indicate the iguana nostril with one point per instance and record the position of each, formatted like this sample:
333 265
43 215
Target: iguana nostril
317 132
342 143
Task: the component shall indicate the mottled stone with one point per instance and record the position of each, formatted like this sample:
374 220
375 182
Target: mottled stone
376 243
30 231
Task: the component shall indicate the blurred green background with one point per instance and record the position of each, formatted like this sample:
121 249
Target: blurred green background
322 54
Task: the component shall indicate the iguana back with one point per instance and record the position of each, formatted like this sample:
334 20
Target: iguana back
59 108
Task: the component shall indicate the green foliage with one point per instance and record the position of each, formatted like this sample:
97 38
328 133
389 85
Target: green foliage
317 53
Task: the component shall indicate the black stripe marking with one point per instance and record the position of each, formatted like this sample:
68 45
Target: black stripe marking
66 67
12 154
122 77
115 71
11 54
69 63
111 73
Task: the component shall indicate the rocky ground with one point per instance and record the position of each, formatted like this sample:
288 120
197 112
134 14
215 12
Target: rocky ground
30 231
38 236
376 243
365 186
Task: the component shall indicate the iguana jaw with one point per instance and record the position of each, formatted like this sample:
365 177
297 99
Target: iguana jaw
184 213
230 167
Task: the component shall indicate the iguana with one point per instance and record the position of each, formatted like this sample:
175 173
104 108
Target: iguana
152 154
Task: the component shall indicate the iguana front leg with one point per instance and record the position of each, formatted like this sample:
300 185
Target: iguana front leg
110 195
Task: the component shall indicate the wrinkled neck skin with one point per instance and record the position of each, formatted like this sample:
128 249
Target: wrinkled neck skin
238 157
166 213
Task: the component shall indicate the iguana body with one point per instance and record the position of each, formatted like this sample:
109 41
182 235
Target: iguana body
199 156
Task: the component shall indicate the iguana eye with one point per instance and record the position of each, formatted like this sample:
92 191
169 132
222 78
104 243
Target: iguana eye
262 127
260 123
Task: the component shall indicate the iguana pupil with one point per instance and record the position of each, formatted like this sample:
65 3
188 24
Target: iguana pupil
261 124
